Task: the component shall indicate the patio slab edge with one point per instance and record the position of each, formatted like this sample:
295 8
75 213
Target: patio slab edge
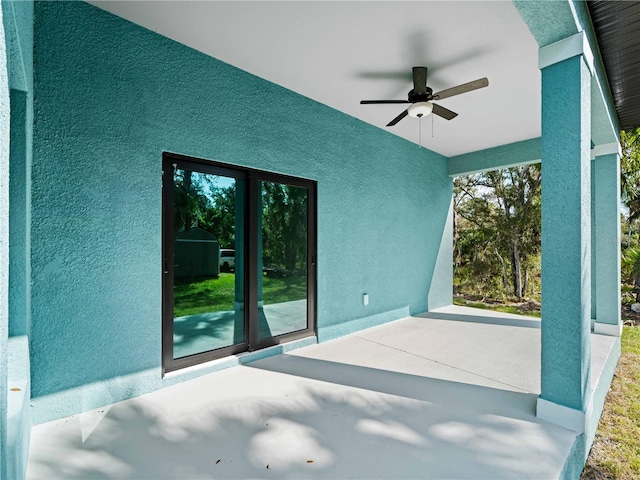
580 451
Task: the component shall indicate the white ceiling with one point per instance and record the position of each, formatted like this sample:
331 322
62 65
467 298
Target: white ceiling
339 53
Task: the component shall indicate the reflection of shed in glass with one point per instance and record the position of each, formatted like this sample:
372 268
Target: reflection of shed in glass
196 254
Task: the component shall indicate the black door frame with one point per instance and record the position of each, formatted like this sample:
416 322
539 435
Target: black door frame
252 177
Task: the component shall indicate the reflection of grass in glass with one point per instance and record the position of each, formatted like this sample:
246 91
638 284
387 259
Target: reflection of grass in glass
216 294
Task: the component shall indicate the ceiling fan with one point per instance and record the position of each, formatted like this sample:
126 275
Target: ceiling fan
421 97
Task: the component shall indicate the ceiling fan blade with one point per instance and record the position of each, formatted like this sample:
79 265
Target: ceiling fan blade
398 118
380 102
464 88
443 112
419 80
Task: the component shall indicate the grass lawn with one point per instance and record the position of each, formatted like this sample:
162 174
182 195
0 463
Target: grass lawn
215 294
616 449
495 307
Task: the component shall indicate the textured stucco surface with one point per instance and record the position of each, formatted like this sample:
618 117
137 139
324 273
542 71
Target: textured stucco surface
110 97
17 20
21 66
16 49
4 240
580 450
18 412
566 233
18 215
607 244
550 22
504 156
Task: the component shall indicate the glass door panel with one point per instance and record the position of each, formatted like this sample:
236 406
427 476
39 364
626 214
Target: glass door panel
282 259
208 246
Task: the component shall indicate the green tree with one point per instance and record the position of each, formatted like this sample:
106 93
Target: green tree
631 269
630 171
220 215
199 202
497 226
284 225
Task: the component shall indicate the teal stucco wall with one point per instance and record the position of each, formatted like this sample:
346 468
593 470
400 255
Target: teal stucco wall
16 114
110 98
4 240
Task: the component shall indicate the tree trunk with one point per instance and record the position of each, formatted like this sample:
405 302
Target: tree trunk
516 274
505 277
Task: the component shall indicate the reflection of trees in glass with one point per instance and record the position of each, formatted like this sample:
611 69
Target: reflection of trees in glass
220 218
284 226
199 202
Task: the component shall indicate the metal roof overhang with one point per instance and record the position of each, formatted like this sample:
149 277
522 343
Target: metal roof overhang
617 28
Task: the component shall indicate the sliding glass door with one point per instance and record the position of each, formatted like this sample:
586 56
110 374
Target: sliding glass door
282 266
238 260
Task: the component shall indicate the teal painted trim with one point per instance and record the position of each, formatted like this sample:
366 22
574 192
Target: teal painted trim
580 451
99 394
15 60
599 394
18 22
504 156
549 22
574 463
335 331
566 233
4 239
19 414
607 242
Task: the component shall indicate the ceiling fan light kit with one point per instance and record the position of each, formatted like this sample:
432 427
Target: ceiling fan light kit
420 109
421 95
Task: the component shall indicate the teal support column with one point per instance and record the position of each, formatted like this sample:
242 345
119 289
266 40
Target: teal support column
566 240
607 244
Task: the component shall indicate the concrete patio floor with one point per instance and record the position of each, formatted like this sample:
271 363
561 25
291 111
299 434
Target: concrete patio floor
448 394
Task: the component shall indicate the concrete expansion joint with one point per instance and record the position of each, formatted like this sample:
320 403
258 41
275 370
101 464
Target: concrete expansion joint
566 48
448 365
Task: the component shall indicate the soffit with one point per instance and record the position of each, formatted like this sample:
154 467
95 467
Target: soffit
339 53
617 27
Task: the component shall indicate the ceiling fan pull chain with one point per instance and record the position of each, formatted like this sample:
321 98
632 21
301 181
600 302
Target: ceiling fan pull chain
431 126
420 131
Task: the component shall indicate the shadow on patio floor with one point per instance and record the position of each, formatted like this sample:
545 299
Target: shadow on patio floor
271 418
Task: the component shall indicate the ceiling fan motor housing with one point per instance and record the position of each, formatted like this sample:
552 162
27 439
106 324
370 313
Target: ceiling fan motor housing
424 97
